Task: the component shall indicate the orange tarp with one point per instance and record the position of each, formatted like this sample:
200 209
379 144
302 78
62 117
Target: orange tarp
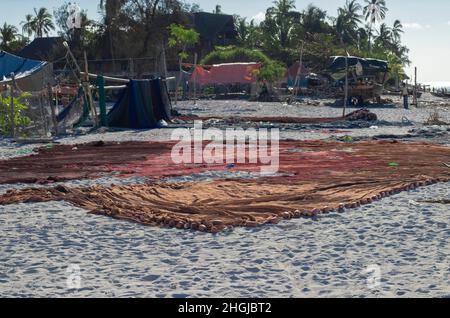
233 73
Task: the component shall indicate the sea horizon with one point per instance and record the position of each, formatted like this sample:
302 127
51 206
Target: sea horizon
438 84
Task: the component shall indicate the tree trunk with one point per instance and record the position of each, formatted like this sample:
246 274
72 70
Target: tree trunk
180 76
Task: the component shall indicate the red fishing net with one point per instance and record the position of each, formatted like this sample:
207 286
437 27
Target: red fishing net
314 177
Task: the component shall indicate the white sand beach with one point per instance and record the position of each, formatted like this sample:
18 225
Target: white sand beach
322 257
406 240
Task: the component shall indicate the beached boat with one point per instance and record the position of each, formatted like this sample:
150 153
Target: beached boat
366 76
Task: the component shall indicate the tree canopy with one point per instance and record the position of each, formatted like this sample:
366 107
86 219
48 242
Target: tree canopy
141 28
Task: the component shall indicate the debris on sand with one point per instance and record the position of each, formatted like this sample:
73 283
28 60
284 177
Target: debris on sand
435 119
442 201
358 115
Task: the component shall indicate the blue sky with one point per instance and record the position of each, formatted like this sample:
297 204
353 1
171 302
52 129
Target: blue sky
427 24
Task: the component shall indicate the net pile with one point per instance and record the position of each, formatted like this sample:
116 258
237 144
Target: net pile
358 115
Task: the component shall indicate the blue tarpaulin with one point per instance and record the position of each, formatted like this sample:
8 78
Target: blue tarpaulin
142 105
31 74
19 66
338 63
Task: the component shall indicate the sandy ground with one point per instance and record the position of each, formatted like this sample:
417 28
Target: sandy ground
325 257
337 255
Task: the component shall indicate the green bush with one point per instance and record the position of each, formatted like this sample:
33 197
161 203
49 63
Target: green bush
20 120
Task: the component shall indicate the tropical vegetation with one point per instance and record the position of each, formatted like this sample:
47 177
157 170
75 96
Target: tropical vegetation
140 28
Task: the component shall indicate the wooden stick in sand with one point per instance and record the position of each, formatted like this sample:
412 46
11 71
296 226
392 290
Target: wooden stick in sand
12 109
195 79
87 87
52 108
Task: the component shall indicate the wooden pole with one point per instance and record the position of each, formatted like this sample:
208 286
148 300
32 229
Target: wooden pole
52 108
111 48
89 91
74 61
116 79
43 114
299 72
12 114
1 104
164 61
415 87
131 75
346 87
195 79
3 112
180 78
107 78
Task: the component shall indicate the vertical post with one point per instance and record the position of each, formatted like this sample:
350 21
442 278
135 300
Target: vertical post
131 75
111 48
346 87
164 61
2 110
88 90
52 108
195 79
12 114
180 78
100 83
415 87
43 114
299 72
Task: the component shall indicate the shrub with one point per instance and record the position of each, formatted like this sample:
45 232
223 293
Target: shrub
20 120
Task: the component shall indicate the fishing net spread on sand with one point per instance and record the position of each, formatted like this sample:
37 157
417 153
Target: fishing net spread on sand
318 177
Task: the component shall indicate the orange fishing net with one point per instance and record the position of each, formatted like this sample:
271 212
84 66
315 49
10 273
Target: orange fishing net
321 177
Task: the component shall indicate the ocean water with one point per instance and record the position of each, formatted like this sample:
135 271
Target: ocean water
439 85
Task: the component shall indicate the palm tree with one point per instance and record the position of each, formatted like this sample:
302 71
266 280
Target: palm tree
111 8
348 20
402 52
352 10
313 19
255 37
28 26
397 30
8 34
280 20
43 22
374 11
384 36
242 29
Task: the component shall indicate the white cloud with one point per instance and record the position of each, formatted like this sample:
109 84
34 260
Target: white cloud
448 22
258 18
413 26
416 26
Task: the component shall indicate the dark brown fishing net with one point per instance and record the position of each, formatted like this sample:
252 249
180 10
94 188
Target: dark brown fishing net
362 115
72 162
321 177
